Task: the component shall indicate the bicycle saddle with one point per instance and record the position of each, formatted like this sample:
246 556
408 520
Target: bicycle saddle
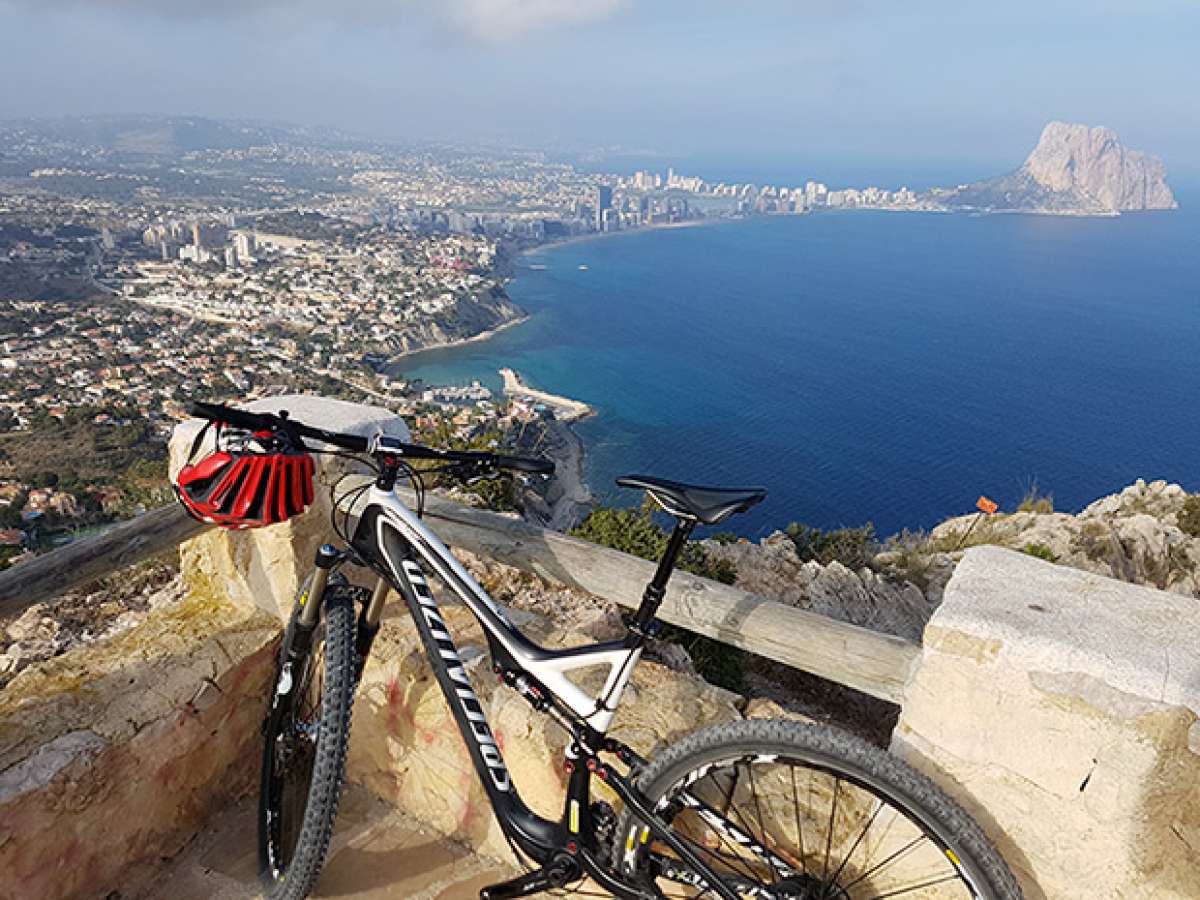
708 505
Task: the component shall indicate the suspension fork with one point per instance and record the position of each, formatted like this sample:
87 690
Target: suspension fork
312 602
368 624
297 642
312 599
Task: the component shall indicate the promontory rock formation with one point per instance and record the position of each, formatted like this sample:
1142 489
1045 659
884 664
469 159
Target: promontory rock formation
1073 170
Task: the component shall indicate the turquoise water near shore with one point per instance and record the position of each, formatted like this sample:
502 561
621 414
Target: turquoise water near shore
870 366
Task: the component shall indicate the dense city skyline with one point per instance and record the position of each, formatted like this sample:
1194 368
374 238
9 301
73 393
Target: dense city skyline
933 89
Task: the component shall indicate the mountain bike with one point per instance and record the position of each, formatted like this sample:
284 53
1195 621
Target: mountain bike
768 809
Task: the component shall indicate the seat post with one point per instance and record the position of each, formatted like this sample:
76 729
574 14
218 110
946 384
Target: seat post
657 588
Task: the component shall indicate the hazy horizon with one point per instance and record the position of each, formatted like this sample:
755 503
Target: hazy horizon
845 91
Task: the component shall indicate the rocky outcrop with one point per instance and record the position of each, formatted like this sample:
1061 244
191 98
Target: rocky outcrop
1094 163
112 607
1138 535
467 318
1132 536
864 597
1073 170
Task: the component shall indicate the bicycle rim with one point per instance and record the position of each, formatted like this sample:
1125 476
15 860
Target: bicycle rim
780 827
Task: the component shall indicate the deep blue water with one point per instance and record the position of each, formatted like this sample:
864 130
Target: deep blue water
864 366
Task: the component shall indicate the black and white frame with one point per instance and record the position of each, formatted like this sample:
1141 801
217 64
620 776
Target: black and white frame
394 541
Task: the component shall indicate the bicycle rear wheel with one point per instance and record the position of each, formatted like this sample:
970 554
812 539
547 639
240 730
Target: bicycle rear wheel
304 753
786 811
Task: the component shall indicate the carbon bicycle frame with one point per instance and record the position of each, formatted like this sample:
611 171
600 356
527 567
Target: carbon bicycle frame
392 540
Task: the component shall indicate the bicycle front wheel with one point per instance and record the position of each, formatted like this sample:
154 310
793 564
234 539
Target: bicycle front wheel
785 811
304 756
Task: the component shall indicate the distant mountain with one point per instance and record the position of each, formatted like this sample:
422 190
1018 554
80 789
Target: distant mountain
170 136
1073 170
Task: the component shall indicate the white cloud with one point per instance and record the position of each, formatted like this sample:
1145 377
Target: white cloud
490 21
496 21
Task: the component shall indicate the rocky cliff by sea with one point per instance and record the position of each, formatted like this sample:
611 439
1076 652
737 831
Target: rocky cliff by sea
1148 533
1073 170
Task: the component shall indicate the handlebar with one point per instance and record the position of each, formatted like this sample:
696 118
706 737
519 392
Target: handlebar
252 421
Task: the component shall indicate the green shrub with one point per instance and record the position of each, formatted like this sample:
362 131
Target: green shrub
1035 501
852 547
911 557
635 532
1041 551
979 530
1189 516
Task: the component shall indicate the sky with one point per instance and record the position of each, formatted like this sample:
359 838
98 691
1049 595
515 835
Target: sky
954 87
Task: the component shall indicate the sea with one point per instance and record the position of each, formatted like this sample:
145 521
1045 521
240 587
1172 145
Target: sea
868 366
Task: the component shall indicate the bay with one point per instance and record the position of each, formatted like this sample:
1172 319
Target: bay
869 366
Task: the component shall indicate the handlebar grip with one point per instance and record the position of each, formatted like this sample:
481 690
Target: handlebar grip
217 412
533 465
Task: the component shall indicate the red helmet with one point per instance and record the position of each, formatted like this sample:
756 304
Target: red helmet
248 481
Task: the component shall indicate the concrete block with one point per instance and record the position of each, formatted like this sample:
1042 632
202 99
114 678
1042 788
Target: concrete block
1059 707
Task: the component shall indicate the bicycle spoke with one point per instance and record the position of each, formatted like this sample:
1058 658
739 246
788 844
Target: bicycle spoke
862 834
829 836
741 860
903 851
762 836
916 887
743 824
730 805
799 829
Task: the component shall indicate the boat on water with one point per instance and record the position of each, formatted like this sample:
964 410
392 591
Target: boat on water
583 268
536 266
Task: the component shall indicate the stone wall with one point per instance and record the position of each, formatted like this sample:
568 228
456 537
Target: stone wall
114 753
1060 707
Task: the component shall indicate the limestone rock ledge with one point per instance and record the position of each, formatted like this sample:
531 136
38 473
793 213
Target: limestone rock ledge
114 753
864 597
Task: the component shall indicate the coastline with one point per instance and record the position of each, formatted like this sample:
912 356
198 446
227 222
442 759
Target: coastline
708 222
568 495
445 345
600 235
